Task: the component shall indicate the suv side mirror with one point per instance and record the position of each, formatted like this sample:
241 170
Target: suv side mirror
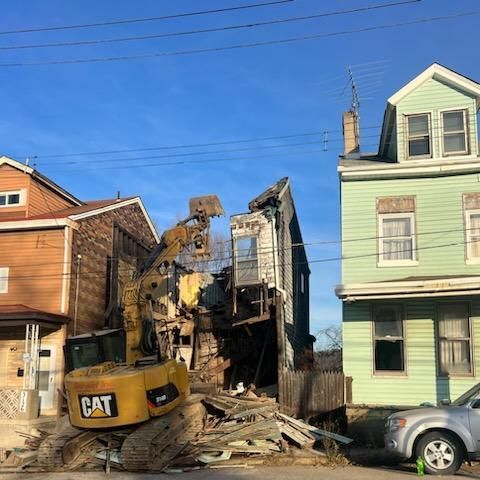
476 403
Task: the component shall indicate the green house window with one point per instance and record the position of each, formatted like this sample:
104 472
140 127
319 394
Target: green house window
473 234
246 261
455 141
396 243
388 338
418 134
454 339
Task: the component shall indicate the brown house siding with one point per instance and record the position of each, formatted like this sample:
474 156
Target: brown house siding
42 200
35 261
13 179
94 242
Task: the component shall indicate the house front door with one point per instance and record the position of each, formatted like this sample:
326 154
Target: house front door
46 377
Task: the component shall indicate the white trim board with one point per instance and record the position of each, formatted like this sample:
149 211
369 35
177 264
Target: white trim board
409 288
35 224
425 167
437 71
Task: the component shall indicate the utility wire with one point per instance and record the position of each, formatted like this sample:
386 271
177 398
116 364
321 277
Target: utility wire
205 30
102 273
191 145
142 20
263 250
240 46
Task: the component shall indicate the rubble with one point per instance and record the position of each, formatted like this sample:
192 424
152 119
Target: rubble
214 431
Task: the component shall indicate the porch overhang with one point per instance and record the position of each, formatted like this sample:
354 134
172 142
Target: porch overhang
413 287
20 315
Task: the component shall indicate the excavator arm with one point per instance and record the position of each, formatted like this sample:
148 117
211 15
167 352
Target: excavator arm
140 295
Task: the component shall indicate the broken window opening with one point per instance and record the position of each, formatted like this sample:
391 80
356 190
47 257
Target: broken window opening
246 261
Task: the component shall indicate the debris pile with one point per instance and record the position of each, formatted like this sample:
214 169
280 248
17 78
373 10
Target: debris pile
251 430
214 431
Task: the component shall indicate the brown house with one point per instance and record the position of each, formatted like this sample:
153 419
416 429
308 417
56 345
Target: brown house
62 266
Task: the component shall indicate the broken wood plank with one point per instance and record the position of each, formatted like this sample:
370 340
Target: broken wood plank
295 436
315 430
252 320
251 411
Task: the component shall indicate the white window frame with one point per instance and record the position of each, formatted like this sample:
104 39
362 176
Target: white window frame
20 193
4 271
396 263
468 339
400 315
239 260
465 132
407 136
468 236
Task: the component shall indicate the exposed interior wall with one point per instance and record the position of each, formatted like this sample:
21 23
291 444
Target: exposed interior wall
257 224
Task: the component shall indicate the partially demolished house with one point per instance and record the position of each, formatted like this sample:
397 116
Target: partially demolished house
262 325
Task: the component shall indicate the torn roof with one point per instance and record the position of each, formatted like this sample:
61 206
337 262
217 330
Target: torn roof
271 196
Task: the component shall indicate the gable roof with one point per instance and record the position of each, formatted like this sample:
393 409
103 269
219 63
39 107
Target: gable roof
80 209
436 70
40 178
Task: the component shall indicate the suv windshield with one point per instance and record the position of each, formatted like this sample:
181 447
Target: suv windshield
467 396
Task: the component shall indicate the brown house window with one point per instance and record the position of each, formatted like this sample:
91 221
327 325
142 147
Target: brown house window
389 342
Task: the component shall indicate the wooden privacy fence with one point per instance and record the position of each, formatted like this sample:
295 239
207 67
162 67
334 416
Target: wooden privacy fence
305 394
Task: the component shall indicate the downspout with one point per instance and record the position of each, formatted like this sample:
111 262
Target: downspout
77 288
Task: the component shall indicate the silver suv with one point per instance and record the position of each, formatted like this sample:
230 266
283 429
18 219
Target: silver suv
442 436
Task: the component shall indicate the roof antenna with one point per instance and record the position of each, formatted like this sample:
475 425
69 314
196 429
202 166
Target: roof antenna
351 120
118 194
355 106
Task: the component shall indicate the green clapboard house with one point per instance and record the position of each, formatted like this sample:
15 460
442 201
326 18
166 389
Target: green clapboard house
411 246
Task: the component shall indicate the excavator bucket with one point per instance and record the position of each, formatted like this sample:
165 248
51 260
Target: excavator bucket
208 205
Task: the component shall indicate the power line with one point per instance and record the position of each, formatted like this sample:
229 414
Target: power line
205 30
240 46
142 20
191 145
102 273
269 249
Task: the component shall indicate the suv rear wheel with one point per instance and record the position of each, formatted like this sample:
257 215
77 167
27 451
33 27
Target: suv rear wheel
441 452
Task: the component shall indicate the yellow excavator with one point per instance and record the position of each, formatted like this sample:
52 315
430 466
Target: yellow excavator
113 395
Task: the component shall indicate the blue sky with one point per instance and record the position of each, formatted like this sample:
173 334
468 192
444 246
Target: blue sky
213 97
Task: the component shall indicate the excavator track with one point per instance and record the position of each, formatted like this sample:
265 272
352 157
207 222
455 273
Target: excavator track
62 448
153 445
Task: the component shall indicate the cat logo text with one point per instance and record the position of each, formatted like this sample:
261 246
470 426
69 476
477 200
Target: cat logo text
98 406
